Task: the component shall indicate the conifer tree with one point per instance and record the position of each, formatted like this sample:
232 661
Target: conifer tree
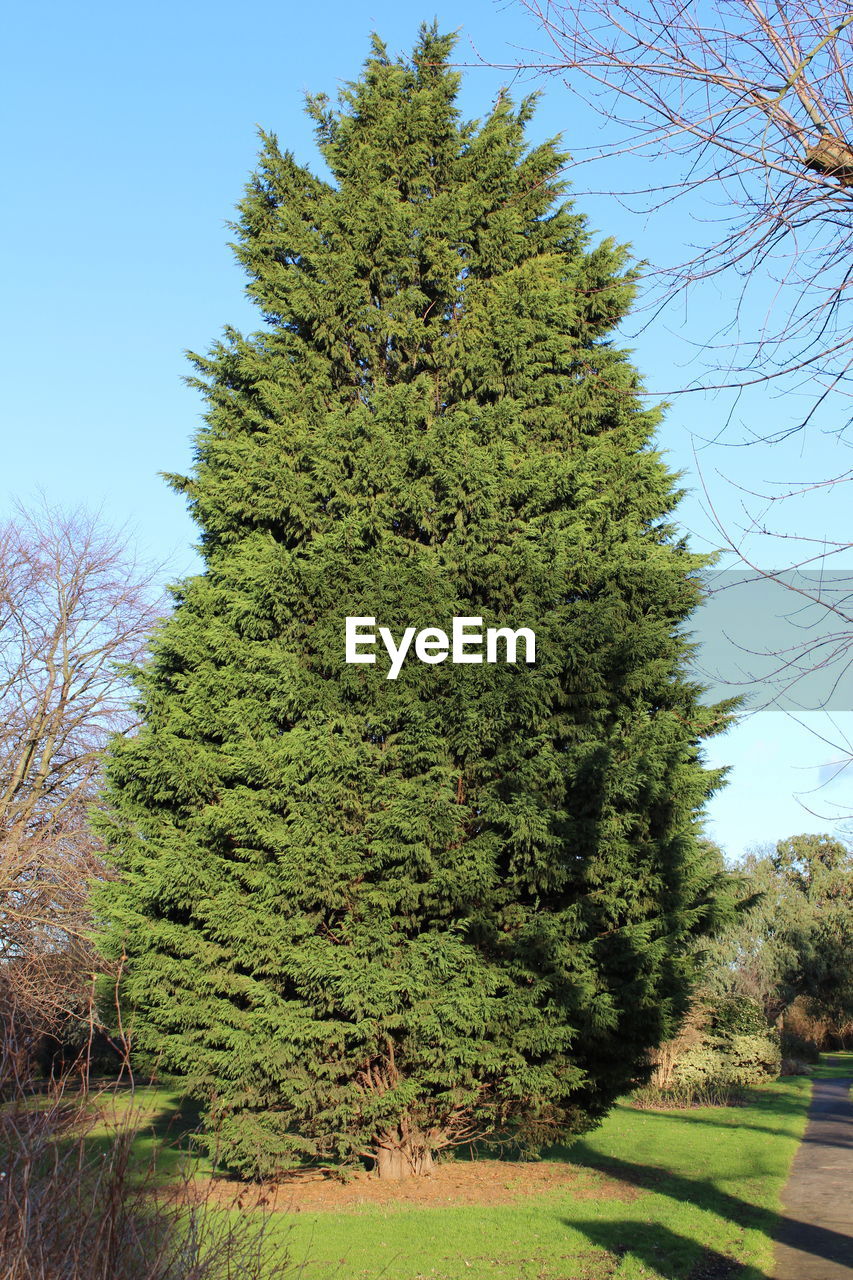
374 917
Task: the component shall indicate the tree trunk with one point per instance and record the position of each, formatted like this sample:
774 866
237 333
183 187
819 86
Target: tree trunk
399 1157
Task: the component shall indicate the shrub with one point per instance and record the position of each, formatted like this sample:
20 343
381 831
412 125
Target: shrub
796 1067
797 1047
752 1059
718 1053
738 1015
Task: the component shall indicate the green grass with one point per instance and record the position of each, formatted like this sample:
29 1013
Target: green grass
163 1119
842 1067
707 1183
702 1193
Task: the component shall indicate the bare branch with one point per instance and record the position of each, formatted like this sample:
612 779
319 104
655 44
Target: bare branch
75 611
751 98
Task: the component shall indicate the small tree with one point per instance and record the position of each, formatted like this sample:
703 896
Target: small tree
373 917
74 608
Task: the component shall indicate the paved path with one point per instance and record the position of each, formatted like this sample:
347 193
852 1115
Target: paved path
815 1240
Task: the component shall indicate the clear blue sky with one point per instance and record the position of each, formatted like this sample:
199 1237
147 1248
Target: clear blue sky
129 133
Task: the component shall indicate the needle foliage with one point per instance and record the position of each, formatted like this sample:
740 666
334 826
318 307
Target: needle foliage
369 917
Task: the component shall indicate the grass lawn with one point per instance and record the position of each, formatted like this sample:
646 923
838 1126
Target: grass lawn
687 1195
707 1184
841 1068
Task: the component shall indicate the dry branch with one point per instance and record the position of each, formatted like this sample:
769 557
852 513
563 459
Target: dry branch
74 610
750 101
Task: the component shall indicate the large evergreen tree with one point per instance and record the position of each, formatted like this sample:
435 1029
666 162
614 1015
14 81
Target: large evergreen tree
372 916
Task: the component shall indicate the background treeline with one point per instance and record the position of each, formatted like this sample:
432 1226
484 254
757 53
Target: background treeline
777 984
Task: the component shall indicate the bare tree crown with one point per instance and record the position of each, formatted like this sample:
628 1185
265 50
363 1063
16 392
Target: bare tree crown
753 97
75 609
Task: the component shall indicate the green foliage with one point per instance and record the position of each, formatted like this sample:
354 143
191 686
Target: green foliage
820 871
785 957
722 1047
716 1070
736 1061
363 915
735 1014
753 1058
793 939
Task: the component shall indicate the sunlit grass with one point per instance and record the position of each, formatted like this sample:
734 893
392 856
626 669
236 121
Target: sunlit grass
841 1068
706 1187
164 1121
700 1190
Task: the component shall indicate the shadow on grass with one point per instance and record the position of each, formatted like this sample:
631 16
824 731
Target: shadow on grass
168 1128
835 1066
162 1142
664 1251
820 1242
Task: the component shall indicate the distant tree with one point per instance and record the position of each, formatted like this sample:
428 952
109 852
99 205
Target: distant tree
372 917
74 608
796 939
754 957
820 869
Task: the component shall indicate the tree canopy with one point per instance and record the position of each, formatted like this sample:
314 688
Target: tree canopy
793 941
374 918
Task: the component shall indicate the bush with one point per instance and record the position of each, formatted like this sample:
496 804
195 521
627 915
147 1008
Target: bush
807 1030
719 1053
796 1067
752 1059
736 1062
738 1015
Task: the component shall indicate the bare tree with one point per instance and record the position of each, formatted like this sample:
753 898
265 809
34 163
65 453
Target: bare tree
75 609
744 109
751 100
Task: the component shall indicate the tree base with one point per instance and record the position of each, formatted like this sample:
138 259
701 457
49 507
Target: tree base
397 1163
